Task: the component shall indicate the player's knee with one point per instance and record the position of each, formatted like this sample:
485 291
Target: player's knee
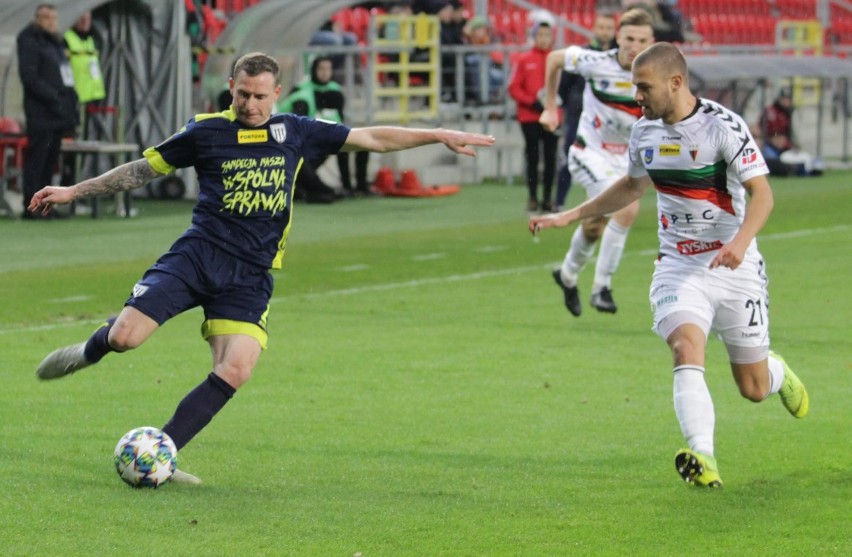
752 391
122 339
684 349
593 228
235 374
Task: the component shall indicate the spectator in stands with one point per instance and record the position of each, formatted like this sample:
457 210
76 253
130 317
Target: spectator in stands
50 101
526 86
330 34
477 32
451 35
571 86
428 7
318 96
782 155
85 65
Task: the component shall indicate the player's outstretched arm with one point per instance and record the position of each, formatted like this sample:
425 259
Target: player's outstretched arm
122 178
621 194
384 139
549 118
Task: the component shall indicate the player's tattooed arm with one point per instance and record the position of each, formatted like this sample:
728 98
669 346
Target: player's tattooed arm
128 176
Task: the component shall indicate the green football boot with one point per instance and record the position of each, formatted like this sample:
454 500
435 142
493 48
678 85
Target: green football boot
697 469
793 394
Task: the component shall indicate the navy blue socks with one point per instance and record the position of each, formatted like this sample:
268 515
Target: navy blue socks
97 346
197 409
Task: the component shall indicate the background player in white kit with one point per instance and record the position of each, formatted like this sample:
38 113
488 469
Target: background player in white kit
598 156
709 276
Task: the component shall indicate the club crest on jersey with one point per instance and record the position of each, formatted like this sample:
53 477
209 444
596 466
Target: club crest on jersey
749 156
649 155
279 132
252 136
139 290
693 151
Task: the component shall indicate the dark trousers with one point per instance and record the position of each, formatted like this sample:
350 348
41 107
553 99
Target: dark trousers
534 135
563 178
40 161
361 160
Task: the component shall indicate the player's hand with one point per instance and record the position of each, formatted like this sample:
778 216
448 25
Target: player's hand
45 198
551 220
729 255
461 142
549 119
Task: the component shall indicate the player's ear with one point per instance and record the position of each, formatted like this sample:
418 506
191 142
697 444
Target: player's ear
676 81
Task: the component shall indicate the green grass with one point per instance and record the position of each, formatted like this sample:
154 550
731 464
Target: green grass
424 393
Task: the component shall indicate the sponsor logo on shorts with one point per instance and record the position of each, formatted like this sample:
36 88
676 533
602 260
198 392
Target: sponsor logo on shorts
139 290
252 136
666 300
669 150
752 335
694 247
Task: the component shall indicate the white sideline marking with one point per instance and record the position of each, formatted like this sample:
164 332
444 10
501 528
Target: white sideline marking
428 256
437 280
351 268
81 298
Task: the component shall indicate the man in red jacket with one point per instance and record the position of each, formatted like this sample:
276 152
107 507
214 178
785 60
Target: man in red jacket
526 86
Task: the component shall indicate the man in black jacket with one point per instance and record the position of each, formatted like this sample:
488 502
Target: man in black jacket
50 102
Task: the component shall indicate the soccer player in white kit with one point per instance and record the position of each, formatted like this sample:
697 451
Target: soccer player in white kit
709 276
598 156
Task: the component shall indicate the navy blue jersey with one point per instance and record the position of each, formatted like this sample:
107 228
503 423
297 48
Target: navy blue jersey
246 177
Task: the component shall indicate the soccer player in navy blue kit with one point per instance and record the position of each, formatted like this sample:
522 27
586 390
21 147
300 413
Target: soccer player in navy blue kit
246 159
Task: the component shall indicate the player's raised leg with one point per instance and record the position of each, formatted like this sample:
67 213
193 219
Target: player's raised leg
117 334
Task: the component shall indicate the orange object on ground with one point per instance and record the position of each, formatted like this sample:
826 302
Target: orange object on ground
384 182
410 186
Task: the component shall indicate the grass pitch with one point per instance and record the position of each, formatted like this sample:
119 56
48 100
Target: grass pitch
424 393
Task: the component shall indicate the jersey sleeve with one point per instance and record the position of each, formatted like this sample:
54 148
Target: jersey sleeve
739 149
178 151
635 164
573 60
321 137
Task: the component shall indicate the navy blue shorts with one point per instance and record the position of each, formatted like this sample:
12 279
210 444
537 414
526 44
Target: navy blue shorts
233 293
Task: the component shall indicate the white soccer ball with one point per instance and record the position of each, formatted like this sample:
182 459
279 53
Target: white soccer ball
145 457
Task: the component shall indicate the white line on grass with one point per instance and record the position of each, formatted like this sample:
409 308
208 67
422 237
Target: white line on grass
437 280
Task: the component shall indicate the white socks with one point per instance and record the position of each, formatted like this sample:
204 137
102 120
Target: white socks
776 375
694 408
612 247
578 255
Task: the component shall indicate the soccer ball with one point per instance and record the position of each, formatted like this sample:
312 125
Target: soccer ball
145 457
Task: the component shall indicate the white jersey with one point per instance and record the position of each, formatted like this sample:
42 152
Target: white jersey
609 110
698 167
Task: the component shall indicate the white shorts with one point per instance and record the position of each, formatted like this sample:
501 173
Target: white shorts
595 170
734 304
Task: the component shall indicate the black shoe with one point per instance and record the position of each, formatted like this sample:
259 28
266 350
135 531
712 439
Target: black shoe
603 301
572 295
